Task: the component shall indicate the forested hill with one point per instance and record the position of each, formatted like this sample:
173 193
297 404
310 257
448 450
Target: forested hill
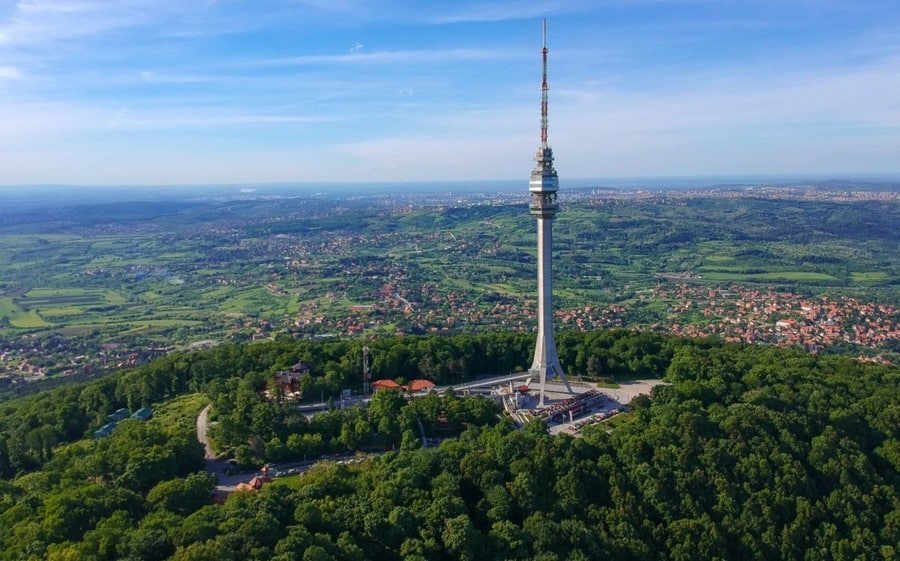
748 453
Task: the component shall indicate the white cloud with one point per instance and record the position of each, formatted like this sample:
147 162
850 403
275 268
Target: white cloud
427 158
389 57
45 23
619 104
844 119
10 73
491 11
153 77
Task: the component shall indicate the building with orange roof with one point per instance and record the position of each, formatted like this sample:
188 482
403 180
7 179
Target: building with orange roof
385 384
419 385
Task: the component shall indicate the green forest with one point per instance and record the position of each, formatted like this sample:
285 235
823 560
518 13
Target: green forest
747 452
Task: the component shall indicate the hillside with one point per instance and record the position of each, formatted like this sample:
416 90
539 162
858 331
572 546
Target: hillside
748 453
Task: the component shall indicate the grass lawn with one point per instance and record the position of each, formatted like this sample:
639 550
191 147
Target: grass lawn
617 420
295 481
181 411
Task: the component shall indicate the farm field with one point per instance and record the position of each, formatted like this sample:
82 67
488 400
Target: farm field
310 266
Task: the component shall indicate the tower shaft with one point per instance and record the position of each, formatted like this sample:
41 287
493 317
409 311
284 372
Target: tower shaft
543 186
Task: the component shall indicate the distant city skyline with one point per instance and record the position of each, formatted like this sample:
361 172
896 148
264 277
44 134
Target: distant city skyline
162 92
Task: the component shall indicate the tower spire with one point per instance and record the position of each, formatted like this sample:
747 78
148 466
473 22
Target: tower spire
544 91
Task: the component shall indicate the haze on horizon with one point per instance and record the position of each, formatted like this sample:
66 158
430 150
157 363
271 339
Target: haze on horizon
168 92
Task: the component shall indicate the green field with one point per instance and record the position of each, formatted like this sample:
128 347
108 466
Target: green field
163 280
782 276
156 324
19 318
52 313
869 276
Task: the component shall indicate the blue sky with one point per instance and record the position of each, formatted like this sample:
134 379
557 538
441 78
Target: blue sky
233 91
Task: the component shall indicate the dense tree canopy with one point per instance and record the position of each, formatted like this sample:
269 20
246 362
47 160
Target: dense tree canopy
233 375
747 453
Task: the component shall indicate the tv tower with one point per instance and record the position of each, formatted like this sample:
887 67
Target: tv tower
543 185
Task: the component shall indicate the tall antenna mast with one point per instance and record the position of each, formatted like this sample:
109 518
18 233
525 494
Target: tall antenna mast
544 90
365 371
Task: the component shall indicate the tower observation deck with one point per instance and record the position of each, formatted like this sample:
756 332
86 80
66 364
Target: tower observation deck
543 186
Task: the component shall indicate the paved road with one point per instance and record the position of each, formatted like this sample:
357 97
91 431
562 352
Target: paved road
227 482
202 428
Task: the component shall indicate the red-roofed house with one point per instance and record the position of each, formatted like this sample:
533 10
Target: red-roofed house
384 385
419 385
255 484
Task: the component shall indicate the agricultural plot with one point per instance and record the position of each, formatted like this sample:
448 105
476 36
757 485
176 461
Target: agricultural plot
66 305
779 276
14 316
222 269
871 277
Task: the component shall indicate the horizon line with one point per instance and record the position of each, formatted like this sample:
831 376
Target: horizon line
818 176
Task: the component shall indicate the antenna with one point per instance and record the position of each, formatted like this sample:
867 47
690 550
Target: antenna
365 371
544 90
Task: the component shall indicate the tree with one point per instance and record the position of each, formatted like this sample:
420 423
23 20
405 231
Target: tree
462 539
148 467
317 553
70 512
409 440
209 550
384 411
183 496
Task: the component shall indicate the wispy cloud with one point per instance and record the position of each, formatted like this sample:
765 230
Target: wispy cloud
358 56
734 123
153 77
40 24
323 89
36 22
493 11
10 73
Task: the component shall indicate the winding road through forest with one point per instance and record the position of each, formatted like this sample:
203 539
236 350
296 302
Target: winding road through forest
227 482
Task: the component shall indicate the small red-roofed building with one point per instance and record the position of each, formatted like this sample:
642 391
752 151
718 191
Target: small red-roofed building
419 385
385 384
